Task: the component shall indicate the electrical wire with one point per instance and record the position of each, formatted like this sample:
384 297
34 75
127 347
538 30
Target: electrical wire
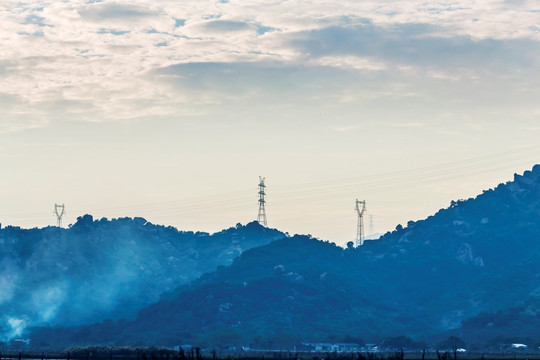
281 195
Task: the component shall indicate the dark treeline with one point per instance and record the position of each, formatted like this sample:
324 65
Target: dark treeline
195 353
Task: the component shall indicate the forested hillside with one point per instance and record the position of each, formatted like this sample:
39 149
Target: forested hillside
427 278
105 269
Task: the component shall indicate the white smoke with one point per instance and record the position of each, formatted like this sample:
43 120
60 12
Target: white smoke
8 281
13 327
46 301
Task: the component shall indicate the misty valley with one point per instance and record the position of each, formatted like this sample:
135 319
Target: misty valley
465 280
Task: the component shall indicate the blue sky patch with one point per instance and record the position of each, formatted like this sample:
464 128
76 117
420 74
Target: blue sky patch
113 32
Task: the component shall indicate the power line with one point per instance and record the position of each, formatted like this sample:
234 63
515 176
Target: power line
292 193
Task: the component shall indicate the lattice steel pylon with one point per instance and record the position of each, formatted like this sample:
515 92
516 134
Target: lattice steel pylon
360 227
59 215
261 217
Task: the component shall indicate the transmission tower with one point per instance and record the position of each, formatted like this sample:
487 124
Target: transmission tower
59 214
360 228
261 217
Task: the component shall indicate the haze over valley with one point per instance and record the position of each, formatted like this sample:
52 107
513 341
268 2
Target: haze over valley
260 176
129 282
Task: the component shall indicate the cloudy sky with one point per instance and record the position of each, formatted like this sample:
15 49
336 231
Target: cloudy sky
171 110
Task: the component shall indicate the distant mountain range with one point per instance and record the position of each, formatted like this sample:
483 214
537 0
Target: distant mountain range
471 270
105 269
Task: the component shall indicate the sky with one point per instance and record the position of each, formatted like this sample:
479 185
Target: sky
172 110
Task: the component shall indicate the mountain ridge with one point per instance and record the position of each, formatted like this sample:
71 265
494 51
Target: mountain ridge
425 279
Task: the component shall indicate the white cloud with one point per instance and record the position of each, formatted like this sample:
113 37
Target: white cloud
350 62
101 55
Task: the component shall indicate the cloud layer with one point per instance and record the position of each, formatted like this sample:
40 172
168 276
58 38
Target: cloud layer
98 60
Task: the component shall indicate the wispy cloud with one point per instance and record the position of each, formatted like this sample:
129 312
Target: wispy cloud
226 25
350 62
348 128
407 124
115 11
